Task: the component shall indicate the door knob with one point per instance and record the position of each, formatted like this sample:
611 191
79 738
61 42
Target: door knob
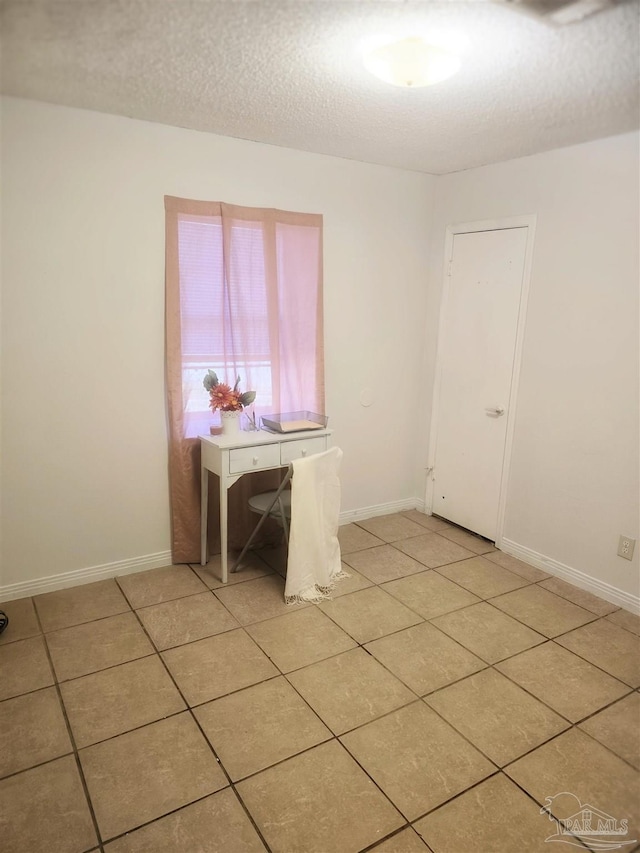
496 410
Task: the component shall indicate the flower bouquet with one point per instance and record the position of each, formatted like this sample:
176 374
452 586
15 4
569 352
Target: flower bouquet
227 400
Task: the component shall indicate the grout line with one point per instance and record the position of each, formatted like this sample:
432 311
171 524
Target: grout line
200 593
74 747
555 710
168 814
614 607
604 746
39 763
86 622
618 625
541 806
208 743
498 771
494 761
377 845
105 669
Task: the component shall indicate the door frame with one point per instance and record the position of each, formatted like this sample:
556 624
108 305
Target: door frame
529 222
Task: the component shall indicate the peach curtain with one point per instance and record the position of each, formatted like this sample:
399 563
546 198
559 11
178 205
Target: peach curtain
243 297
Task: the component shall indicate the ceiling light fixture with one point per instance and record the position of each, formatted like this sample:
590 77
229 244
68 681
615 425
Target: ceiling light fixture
412 61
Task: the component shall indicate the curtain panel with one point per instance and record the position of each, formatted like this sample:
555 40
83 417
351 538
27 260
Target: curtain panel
244 298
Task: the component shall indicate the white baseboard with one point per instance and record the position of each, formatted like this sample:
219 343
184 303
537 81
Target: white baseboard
82 576
380 509
163 558
154 561
573 576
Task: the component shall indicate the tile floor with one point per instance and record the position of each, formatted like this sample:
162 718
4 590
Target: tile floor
435 703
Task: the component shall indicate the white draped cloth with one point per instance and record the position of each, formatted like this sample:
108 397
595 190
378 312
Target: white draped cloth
313 565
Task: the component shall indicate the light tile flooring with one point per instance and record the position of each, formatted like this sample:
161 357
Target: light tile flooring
443 695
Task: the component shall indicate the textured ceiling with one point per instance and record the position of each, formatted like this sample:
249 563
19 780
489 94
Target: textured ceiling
288 73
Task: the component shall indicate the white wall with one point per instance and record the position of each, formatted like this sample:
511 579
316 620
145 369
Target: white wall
574 476
84 436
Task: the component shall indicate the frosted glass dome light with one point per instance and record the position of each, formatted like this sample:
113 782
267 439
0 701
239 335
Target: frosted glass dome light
411 61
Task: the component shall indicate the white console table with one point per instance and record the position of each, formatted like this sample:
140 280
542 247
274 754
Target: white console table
232 456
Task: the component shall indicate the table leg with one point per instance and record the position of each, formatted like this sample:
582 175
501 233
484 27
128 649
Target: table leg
204 512
223 530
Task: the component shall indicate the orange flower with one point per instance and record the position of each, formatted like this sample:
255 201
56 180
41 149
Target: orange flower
235 403
223 397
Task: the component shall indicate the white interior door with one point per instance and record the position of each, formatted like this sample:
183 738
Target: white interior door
476 355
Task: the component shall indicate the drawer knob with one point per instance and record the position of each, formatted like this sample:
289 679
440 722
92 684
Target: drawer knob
304 452
255 460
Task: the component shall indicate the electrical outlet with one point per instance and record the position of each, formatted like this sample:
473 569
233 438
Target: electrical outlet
625 547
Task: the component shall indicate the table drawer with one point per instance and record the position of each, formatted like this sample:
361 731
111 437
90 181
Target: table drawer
258 458
290 450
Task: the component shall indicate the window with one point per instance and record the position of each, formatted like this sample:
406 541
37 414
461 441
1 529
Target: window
211 316
243 297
